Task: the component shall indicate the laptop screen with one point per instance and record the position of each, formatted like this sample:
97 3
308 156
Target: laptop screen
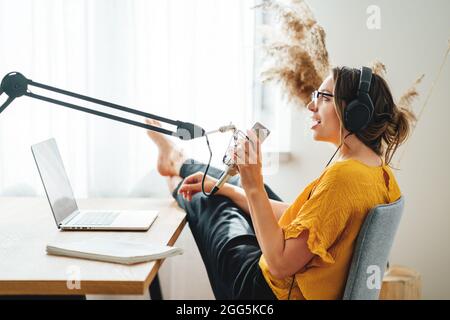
54 178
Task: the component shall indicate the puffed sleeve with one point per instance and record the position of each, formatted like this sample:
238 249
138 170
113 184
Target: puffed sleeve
325 215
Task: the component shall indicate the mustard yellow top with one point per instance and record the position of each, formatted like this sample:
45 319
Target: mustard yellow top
340 200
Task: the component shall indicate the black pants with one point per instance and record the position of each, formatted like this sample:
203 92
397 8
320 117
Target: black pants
226 240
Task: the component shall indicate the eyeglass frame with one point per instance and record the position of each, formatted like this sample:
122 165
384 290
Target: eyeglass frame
316 94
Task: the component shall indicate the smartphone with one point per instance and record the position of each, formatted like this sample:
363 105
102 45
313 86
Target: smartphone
261 131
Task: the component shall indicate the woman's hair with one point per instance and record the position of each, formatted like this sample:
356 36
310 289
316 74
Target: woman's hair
390 125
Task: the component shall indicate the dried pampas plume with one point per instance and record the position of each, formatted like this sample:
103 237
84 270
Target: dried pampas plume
378 68
408 97
298 56
406 100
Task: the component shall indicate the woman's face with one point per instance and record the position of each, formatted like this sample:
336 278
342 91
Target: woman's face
325 124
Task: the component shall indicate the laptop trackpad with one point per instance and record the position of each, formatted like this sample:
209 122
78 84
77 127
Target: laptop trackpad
135 219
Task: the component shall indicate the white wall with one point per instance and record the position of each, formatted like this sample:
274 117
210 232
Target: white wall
412 40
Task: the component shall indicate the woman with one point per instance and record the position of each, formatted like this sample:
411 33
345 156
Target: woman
255 246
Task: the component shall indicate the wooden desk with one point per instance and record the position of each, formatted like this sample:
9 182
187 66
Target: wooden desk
27 225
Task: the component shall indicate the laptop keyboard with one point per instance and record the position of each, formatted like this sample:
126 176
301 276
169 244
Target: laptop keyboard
102 218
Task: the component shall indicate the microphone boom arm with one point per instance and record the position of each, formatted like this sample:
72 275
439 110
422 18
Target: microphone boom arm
15 85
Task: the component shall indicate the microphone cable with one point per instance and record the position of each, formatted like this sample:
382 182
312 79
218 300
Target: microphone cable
215 189
207 168
221 129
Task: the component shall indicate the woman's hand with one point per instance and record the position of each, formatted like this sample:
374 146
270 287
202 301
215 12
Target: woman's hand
248 159
193 184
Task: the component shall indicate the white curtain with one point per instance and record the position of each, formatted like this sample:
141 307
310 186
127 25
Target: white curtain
190 60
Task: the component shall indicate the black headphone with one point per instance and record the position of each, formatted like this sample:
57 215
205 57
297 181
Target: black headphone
359 111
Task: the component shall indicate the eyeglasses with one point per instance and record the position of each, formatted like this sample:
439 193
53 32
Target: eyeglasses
316 94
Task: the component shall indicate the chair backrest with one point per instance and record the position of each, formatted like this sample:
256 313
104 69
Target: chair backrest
372 251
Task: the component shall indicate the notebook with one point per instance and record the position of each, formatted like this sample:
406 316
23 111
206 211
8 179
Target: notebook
116 251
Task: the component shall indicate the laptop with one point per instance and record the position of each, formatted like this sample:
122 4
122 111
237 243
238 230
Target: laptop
63 204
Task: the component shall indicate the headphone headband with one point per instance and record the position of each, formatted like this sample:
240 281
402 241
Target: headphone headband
365 80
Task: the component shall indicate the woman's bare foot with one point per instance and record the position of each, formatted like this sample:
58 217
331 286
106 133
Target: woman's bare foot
170 157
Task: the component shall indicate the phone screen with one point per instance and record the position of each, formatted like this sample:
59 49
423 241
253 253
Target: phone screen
261 131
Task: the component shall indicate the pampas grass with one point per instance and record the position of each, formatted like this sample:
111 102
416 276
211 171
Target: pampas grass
297 52
410 95
297 56
406 100
378 68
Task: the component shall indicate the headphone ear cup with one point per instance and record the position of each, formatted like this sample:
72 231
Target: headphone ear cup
356 116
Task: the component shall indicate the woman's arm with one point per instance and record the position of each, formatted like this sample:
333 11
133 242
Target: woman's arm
193 184
238 196
284 257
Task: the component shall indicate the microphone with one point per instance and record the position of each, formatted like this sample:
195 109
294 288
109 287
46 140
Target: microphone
223 129
230 127
231 169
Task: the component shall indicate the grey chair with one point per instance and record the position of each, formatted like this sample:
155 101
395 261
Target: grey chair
372 249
